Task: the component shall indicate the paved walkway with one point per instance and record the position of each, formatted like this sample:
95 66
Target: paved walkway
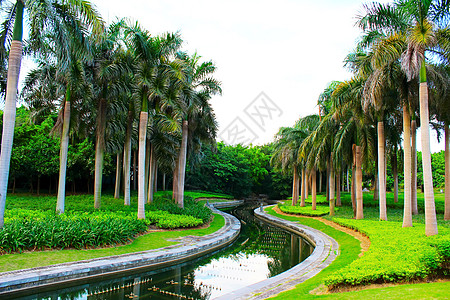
189 247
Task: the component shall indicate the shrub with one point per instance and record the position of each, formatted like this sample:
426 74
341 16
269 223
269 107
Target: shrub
67 231
395 254
191 208
306 210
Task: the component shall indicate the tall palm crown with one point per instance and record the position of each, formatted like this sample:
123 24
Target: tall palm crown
420 21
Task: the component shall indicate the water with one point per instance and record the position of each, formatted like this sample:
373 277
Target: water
261 251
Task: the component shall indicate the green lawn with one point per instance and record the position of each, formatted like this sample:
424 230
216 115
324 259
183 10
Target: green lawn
84 203
380 232
153 240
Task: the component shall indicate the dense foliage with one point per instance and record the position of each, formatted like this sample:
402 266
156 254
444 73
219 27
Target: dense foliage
31 224
238 170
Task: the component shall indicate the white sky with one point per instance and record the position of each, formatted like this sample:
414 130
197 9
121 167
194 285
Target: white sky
288 49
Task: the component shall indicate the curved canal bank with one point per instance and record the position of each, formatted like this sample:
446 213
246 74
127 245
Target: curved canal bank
325 252
217 274
189 248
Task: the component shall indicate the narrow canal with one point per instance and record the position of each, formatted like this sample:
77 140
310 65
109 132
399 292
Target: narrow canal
261 251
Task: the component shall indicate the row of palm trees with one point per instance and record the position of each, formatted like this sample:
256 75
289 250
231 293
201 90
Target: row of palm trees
401 75
117 83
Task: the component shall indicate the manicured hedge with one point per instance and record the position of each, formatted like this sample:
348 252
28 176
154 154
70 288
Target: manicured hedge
27 229
306 210
163 219
67 231
191 208
396 254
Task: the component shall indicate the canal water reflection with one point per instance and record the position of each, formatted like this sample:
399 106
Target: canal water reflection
261 251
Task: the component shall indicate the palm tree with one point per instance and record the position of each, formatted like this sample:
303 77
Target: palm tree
152 79
111 70
285 156
50 16
198 86
418 21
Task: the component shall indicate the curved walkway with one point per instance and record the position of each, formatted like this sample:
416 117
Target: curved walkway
188 248
325 251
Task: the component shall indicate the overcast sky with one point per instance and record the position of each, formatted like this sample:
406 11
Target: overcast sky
273 57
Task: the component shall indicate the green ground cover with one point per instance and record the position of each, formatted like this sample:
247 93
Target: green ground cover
149 241
31 222
395 254
197 194
305 210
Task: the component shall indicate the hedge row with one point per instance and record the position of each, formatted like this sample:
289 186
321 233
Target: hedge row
396 254
78 232
306 210
37 230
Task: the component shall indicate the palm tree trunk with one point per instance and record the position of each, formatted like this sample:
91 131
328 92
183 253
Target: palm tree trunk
353 188
320 182
148 154
348 183
395 174
9 113
99 152
127 159
376 186
304 183
151 175
60 202
338 190
407 212
143 120
414 209
430 210
164 181
381 171
332 187
155 181
182 166
175 181
313 188
134 170
447 173
358 183
295 187
118 175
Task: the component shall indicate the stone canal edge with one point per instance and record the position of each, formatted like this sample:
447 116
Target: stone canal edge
188 248
325 251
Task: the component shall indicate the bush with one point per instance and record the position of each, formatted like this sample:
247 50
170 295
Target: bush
191 208
81 226
27 232
396 254
306 210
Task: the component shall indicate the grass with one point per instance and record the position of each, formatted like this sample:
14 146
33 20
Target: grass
380 232
197 194
84 203
305 211
153 240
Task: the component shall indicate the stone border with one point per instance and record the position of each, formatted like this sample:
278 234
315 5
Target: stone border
325 251
189 247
